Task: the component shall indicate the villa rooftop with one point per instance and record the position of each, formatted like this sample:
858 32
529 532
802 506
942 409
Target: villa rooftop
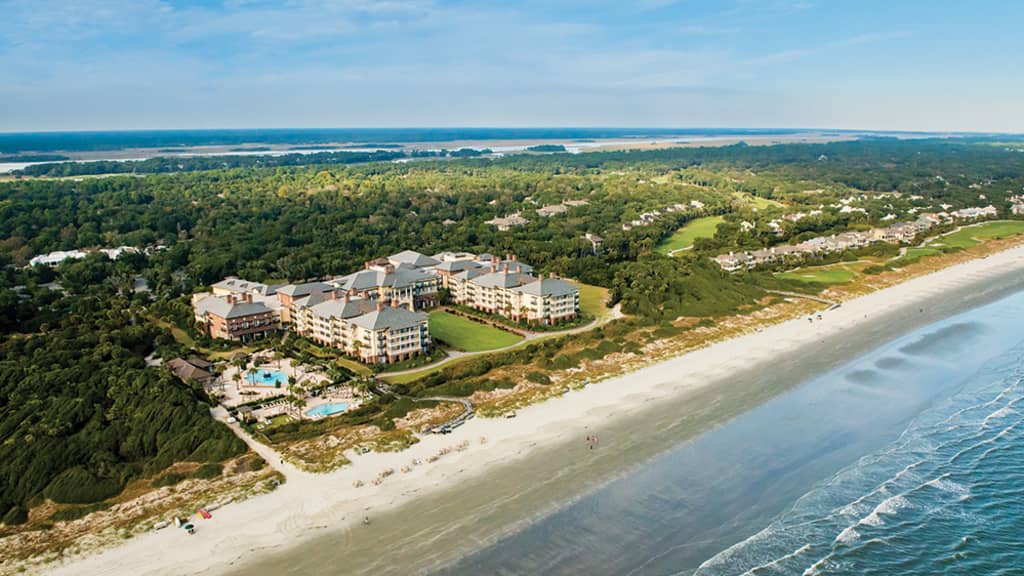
389 317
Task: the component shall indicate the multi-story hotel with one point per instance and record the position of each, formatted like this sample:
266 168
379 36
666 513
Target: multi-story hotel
235 317
373 314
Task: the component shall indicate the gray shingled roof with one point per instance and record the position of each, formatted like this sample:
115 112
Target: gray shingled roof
306 289
239 285
404 275
459 265
392 318
547 287
414 258
186 371
503 279
221 307
338 308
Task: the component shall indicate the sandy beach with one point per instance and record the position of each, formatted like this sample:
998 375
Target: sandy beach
311 506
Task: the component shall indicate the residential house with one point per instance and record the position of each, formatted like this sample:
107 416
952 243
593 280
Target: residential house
975 213
551 210
508 222
191 370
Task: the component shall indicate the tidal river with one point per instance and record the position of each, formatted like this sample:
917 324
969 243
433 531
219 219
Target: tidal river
907 460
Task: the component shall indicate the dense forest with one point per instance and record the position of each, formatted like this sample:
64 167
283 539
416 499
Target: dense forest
81 414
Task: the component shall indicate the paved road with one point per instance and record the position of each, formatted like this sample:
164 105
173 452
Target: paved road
453 355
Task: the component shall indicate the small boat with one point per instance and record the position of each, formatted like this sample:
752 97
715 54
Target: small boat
190 529
177 522
204 514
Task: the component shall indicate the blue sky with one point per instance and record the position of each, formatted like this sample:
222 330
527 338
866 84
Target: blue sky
135 64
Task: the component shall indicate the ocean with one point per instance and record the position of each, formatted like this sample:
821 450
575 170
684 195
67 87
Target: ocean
907 460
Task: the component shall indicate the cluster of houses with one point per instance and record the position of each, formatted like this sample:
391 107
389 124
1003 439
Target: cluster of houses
1017 205
895 234
55 258
649 217
375 314
516 219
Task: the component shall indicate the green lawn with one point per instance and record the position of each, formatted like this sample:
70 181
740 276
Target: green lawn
592 299
836 275
913 255
756 201
466 335
969 236
684 237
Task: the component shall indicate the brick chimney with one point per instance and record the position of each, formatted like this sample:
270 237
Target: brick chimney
515 258
346 297
394 303
506 267
380 306
494 266
551 275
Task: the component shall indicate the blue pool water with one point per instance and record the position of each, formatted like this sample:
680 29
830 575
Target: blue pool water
327 409
268 378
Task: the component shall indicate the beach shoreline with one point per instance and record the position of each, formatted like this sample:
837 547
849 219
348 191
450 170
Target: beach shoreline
310 510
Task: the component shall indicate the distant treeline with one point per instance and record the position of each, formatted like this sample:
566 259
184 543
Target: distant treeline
164 164
34 158
169 164
546 148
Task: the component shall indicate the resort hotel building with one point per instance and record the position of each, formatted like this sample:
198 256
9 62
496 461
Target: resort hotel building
375 314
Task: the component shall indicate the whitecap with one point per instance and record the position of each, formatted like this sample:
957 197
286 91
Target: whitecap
1001 413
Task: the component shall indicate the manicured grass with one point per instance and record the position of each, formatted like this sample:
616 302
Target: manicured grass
915 254
971 235
592 299
357 367
466 335
836 275
684 237
756 201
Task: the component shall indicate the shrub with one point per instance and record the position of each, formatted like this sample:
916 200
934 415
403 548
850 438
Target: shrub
77 512
563 362
78 486
16 515
209 470
875 269
538 377
169 479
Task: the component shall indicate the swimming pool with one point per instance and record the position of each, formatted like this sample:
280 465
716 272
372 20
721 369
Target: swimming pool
327 409
267 378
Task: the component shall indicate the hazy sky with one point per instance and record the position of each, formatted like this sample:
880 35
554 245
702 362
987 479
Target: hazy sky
892 64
